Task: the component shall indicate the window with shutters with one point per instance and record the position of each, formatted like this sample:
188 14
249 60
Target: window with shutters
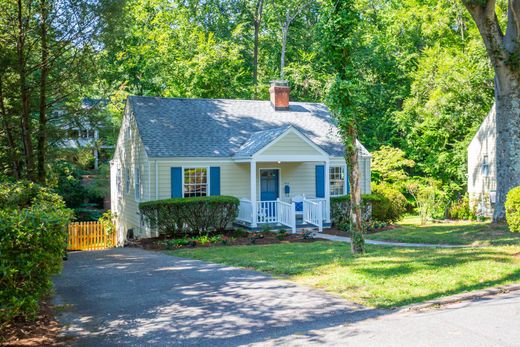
337 180
195 182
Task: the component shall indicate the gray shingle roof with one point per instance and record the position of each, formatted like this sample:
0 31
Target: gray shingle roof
171 127
259 140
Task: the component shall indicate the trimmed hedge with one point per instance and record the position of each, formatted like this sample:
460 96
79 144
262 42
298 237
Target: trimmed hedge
196 215
32 243
340 208
512 206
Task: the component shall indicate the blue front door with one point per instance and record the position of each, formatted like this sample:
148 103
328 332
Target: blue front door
269 189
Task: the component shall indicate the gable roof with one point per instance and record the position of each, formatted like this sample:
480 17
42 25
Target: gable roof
259 140
175 127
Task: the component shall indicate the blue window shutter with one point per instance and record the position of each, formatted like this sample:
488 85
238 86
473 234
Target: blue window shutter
176 177
320 181
214 180
347 181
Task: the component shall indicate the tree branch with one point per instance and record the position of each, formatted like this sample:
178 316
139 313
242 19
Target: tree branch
486 19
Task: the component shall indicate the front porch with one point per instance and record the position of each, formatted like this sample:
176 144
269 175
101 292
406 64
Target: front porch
288 181
278 214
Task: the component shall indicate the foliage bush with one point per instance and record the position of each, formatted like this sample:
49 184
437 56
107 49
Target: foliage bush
340 208
512 206
190 215
384 205
392 205
32 242
430 198
460 210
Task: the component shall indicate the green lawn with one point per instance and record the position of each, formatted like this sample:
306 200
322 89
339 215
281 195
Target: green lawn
385 277
461 233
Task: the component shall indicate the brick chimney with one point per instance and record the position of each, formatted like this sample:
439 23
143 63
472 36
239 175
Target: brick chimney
280 91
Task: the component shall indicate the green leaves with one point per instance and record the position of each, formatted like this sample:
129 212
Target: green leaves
32 244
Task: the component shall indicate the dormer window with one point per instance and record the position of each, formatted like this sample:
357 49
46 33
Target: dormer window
485 166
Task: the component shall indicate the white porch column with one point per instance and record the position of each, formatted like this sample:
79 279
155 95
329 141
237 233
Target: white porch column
253 193
327 192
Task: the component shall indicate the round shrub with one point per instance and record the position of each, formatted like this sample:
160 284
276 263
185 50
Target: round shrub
512 206
340 209
32 243
392 205
197 214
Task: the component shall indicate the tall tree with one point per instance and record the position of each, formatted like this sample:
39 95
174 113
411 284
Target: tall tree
287 12
23 20
44 72
338 29
257 22
503 50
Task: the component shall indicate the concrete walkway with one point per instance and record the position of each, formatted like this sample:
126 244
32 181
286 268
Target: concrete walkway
134 297
387 243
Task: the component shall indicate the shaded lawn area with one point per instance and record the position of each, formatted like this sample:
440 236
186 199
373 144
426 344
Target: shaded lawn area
455 233
385 277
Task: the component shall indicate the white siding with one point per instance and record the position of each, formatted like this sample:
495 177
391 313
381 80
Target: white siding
234 177
290 144
482 145
130 154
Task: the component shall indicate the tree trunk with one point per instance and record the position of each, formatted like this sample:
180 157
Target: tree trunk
13 153
257 22
24 94
507 142
285 32
503 51
44 71
358 242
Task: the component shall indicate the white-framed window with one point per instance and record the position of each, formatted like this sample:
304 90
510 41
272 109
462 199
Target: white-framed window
119 181
127 180
485 166
337 180
137 183
195 182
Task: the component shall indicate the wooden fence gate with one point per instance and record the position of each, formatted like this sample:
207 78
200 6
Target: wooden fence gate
89 236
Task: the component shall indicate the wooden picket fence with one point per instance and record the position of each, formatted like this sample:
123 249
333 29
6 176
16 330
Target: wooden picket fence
89 236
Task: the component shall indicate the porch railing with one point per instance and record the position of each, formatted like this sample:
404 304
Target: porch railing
287 214
281 212
245 211
324 206
267 211
313 213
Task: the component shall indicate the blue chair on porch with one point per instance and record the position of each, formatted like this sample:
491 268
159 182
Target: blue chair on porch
298 204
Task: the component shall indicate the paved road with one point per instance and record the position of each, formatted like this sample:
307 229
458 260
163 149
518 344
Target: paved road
134 297
486 322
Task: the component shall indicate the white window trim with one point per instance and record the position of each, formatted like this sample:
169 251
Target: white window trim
208 188
344 168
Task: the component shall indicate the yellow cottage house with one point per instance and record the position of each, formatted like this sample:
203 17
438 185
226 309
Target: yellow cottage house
283 160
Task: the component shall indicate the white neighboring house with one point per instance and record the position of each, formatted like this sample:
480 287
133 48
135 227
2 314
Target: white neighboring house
482 167
283 163
82 133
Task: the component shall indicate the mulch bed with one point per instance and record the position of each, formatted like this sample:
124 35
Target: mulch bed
258 238
42 332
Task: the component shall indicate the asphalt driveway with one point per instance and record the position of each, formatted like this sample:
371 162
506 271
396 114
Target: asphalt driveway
134 297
